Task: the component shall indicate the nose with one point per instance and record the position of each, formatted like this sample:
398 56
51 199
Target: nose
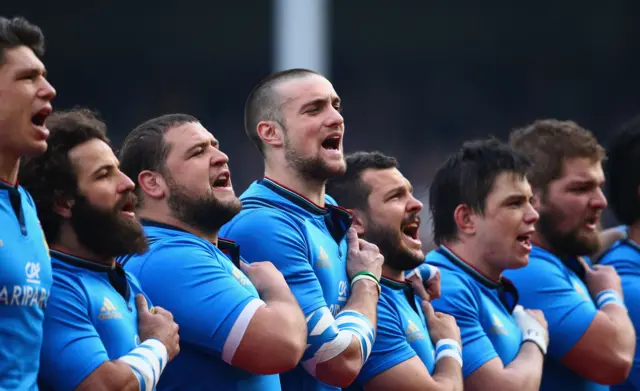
414 205
219 158
335 119
126 184
531 215
599 201
46 91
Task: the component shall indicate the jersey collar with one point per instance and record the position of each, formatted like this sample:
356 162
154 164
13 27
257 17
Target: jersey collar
507 292
228 247
117 276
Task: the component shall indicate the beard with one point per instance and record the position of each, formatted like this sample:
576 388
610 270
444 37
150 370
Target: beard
310 167
568 243
396 256
106 232
205 213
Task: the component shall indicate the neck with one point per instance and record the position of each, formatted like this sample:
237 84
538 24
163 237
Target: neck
68 243
634 232
392 274
166 218
470 255
286 176
9 165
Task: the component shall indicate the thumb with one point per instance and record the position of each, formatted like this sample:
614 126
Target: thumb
244 266
427 308
352 239
141 303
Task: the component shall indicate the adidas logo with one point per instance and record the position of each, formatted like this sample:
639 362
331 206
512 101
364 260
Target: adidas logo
413 332
323 260
109 311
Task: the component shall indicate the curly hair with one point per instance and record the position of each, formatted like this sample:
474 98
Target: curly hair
51 178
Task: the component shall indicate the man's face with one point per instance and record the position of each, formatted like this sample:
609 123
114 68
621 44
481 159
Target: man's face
25 94
102 211
313 127
504 230
391 221
198 179
571 206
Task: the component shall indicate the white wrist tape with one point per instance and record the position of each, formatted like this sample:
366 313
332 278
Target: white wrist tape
530 328
425 272
147 362
360 327
448 348
609 296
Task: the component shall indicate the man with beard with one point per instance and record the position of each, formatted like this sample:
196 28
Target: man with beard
592 338
294 118
25 96
483 221
624 197
238 330
386 214
99 333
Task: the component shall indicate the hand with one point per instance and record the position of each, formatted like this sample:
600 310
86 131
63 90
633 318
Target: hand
362 256
441 325
431 285
601 277
533 326
265 277
158 324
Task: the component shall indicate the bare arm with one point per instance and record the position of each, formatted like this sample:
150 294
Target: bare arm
412 375
275 338
110 376
609 345
522 374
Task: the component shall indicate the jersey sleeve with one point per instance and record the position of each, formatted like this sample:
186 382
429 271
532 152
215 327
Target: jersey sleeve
544 286
205 298
269 235
71 347
458 301
390 348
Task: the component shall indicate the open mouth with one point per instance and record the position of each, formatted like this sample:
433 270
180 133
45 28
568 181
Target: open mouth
411 230
332 142
128 207
592 223
525 239
223 180
41 116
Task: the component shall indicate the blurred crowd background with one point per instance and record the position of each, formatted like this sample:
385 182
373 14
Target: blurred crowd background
416 77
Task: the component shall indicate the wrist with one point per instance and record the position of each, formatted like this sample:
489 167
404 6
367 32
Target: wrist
366 278
447 347
609 297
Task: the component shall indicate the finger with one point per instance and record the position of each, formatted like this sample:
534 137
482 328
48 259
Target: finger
141 303
244 266
352 239
427 308
585 265
418 288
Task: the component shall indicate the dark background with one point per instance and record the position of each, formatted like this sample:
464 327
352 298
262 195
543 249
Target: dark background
416 77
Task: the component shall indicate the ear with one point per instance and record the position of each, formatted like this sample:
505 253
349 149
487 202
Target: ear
465 219
152 184
358 222
62 205
270 133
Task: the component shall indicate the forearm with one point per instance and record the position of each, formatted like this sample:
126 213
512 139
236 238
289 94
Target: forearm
524 373
342 369
364 299
113 375
448 375
620 342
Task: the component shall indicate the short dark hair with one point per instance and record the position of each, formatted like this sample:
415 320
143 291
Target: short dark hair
466 178
18 31
623 174
51 177
348 189
145 147
548 143
263 103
